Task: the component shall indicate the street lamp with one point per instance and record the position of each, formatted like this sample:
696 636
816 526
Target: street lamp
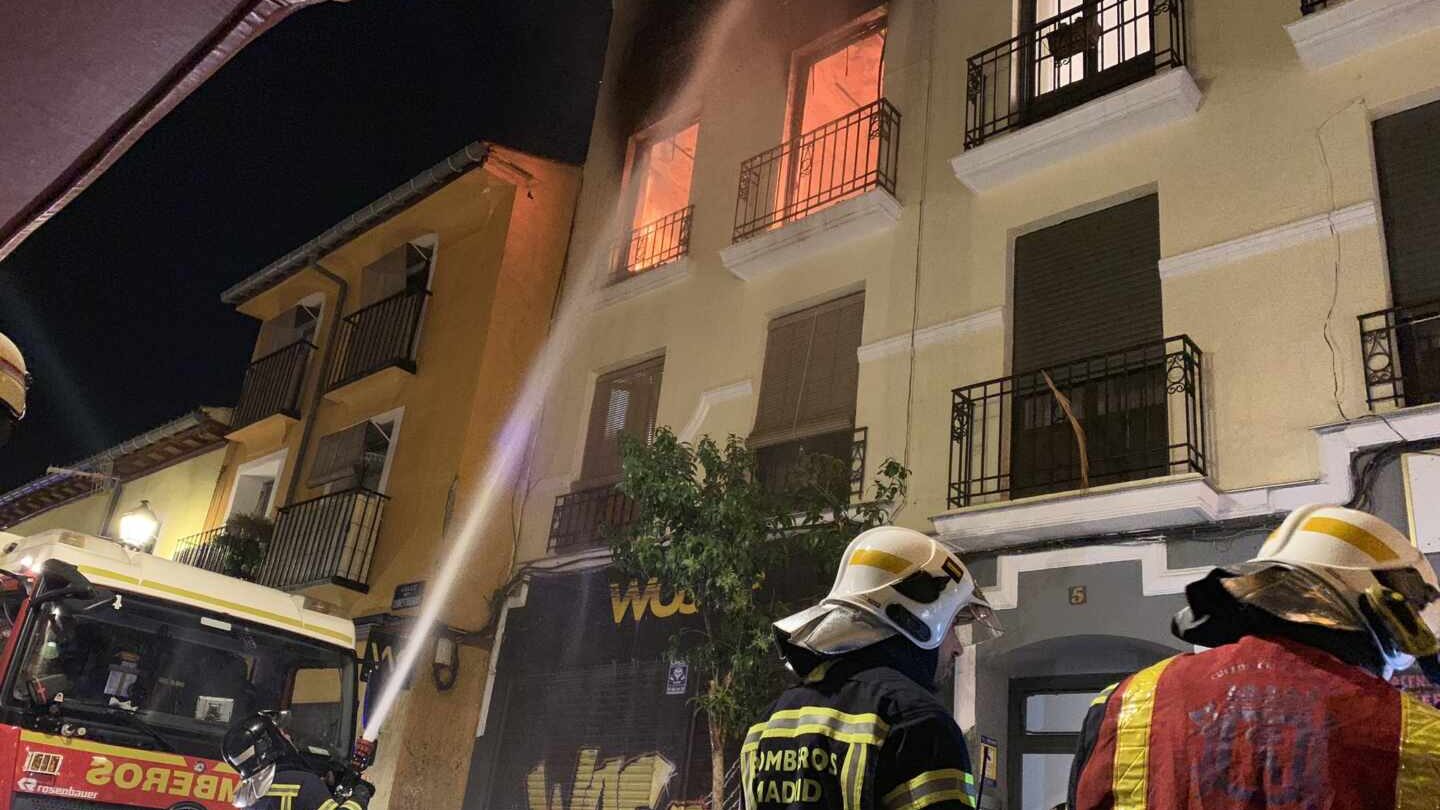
139 526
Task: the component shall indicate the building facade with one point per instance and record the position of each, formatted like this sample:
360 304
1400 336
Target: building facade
389 350
173 468
1122 282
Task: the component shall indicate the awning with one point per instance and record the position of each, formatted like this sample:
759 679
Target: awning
82 80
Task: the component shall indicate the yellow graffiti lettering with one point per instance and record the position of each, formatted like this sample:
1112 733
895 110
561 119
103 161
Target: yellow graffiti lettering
128 776
100 771
636 602
181 782
206 785
602 785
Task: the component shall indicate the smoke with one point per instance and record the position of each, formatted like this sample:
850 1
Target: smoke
508 453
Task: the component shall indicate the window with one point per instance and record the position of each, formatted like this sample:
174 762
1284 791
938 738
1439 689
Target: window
295 325
808 388
1046 715
405 269
838 75
625 403
661 171
358 456
1077 40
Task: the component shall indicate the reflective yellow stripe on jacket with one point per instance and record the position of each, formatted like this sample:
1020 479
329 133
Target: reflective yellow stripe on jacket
948 785
858 730
1417 781
1131 777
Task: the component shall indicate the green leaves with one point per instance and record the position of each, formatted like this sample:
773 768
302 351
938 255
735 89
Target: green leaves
706 525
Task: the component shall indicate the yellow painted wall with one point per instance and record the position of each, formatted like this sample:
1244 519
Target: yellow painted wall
501 235
1251 159
179 495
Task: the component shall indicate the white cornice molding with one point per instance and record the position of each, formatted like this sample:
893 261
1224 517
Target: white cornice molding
940 333
708 400
1157 578
1165 99
1360 215
827 229
1353 27
641 283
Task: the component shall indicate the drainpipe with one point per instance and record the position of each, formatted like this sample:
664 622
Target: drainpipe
343 288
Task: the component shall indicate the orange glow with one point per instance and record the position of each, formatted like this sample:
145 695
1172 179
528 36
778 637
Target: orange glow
662 181
843 80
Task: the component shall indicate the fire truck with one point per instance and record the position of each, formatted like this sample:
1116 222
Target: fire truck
122 672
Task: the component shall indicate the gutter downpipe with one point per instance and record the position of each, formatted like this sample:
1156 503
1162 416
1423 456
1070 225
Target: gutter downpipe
343 290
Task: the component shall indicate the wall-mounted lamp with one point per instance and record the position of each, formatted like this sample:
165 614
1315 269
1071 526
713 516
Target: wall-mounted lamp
139 527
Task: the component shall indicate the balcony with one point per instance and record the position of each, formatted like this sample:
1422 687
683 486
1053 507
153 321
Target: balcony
379 338
327 540
648 257
222 551
826 187
270 394
583 518
1140 411
1057 71
1401 351
779 465
1332 31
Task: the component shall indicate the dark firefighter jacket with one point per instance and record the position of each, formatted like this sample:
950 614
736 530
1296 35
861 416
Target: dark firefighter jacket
858 734
1260 723
303 790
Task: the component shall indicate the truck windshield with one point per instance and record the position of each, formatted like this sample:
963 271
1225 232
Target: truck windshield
167 675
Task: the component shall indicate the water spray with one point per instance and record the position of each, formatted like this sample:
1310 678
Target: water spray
509 450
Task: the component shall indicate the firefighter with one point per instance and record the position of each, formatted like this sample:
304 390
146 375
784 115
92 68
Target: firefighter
864 729
273 775
1292 708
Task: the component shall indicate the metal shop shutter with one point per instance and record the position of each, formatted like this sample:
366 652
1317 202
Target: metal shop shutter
1407 156
1088 286
811 371
625 402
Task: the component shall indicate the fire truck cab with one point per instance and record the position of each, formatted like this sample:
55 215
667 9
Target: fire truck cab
122 671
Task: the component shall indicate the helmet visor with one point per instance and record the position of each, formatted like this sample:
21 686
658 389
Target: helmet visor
1293 594
253 789
977 623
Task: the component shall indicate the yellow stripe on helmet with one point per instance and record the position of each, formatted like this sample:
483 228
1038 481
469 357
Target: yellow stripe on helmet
1352 535
884 560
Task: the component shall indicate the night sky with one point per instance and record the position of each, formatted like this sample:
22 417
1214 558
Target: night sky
116 301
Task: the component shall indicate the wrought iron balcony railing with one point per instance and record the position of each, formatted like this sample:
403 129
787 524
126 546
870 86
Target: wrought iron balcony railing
201 551
377 337
325 540
1140 411
1066 60
582 518
273 384
219 550
777 465
1401 351
849 156
651 245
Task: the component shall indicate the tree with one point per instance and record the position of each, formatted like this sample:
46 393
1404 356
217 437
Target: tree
706 525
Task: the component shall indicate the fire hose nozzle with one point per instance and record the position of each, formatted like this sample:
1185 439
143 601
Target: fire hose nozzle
363 756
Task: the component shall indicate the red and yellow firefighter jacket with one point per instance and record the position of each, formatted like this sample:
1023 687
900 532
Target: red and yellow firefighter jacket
1261 724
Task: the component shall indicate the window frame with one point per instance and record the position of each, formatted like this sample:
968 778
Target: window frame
587 478
637 163
1022 742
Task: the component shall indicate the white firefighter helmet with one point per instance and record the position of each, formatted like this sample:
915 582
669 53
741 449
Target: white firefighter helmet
892 580
14 380
1389 585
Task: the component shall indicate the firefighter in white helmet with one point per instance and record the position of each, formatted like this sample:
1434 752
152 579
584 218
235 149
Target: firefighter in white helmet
14 382
1292 707
864 730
